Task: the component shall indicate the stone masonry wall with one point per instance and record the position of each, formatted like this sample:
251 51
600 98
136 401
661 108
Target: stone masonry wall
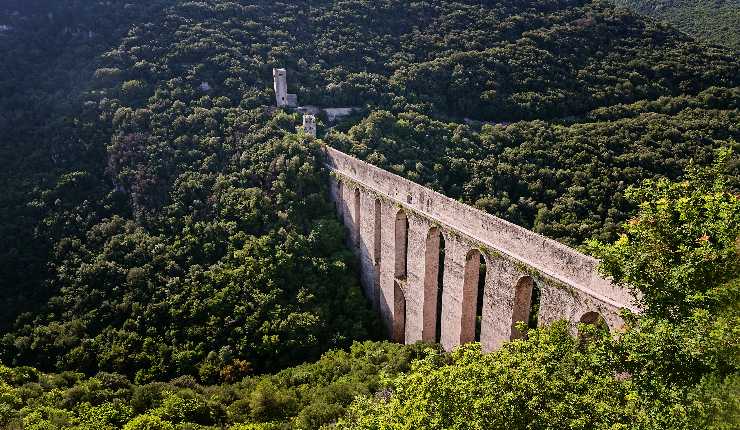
403 287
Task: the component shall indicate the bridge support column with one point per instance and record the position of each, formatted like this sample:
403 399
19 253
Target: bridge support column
500 301
453 294
388 288
366 250
414 285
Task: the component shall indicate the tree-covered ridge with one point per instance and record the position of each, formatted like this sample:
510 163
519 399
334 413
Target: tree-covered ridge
715 21
499 61
247 264
50 50
161 220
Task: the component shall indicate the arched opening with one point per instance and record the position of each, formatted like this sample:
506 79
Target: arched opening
482 269
340 189
402 244
431 285
534 306
469 298
522 305
357 216
378 225
595 320
440 289
399 314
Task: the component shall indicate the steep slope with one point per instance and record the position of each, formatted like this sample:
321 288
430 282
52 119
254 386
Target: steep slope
176 224
160 221
714 21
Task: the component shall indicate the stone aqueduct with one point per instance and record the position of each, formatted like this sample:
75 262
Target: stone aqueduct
421 255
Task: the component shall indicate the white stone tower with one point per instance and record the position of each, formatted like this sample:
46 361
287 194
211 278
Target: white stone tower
280 79
309 124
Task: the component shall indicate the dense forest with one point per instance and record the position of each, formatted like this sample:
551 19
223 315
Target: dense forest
171 259
715 21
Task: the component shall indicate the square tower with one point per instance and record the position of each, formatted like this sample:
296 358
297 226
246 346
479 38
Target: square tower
280 79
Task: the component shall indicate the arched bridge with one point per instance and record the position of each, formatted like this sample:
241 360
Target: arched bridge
439 270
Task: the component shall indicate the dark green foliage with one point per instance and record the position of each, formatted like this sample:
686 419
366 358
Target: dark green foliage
699 219
307 396
715 21
247 265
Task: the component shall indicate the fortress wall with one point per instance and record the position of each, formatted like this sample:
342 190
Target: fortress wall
546 256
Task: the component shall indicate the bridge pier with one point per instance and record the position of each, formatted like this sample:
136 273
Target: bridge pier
415 277
455 302
500 302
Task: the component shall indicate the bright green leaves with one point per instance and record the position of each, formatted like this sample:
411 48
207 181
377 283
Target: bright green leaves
682 245
306 396
549 381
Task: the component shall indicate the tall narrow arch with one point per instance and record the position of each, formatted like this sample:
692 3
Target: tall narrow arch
377 233
469 296
432 285
399 313
482 270
357 218
402 245
522 304
440 289
534 306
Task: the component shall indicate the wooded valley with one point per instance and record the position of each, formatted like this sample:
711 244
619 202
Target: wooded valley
171 258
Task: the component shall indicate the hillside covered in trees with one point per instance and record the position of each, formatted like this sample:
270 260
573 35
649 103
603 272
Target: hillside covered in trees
714 21
170 251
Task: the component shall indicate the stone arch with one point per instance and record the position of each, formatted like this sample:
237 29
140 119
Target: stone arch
480 294
594 318
357 217
470 296
522 304
433 264
440 289
399 313
377 240
402 245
